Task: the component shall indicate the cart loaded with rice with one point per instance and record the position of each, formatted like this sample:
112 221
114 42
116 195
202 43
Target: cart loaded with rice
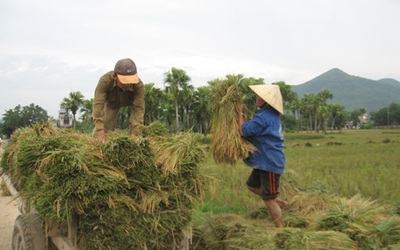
127 193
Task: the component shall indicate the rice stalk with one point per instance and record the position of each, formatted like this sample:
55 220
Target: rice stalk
293 238
308 203
376 236
227 144
179 150
118 189
363 220
344 211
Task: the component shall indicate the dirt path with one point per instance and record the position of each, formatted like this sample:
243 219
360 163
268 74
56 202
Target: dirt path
8 213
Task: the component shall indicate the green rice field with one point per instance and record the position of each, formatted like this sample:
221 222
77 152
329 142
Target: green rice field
346 163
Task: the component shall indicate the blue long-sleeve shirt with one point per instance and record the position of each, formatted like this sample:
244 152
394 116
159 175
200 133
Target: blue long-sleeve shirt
264 131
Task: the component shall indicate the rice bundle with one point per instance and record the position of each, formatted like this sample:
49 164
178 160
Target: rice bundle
119 190
294 238
309 203
366 222
227 144
156 128
230 231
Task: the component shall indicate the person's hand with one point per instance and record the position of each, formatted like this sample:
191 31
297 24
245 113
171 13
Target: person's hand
101 135
239 108
133 136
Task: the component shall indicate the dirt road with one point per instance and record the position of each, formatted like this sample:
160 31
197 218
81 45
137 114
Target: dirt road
8 213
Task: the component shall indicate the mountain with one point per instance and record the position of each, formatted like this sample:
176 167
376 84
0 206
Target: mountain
353 92
390 81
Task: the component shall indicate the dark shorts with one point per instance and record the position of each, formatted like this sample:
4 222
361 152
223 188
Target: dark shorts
269 183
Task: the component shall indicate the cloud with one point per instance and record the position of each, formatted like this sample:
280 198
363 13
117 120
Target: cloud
44 81
50 48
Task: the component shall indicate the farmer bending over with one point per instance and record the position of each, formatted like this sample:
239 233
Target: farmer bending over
119 88
264 131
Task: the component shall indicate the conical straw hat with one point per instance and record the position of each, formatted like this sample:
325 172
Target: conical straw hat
271 94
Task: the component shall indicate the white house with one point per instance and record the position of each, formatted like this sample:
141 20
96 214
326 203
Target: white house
65 120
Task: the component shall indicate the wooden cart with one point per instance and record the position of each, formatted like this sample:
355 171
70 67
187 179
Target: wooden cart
29 232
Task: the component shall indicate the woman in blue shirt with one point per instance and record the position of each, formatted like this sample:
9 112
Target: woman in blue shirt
264 131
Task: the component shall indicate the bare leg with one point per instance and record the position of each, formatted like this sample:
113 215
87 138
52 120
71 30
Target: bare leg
255 190
274 207
275 212
282 203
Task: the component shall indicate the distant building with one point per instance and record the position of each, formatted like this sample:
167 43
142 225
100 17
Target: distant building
349 125
65 120
364 118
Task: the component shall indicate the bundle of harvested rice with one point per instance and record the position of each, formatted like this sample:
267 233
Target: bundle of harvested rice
368 223
308 203
252 236
119 190
294 238
227 144
230 231
156 128
169 155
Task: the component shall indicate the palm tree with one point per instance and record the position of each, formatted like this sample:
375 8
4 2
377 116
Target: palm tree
153 102
187 97
176 79
337 111
308 108
201 109
74 101
123 117
324 113
168 111
325 95
87 109
297 112
322 110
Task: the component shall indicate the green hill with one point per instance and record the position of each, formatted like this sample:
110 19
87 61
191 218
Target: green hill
353 92
390 81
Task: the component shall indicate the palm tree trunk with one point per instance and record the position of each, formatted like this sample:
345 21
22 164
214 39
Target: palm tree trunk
176 115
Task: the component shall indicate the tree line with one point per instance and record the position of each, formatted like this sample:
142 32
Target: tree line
183 107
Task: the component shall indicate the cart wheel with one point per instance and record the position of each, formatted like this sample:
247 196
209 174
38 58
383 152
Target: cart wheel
28 233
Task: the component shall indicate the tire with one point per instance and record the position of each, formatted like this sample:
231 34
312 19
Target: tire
28 233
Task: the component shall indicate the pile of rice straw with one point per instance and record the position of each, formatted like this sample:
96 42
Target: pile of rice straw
230 231
315 219
127 193
227 144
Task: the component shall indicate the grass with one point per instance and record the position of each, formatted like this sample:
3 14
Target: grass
226 188
365 162
353 162
337 185
342 190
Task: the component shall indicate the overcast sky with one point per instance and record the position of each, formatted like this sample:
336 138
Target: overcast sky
49 48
